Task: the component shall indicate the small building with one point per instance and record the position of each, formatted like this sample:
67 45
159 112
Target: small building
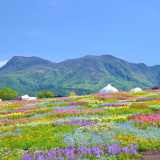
156 88
19 98
59 96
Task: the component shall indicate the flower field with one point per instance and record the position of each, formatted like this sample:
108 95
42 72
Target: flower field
97 126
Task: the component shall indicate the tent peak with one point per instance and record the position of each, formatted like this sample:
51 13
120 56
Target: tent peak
109 89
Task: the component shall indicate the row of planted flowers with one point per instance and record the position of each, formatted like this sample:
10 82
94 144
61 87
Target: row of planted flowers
83 151
103 124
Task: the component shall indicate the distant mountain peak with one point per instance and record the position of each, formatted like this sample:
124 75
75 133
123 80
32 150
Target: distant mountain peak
90 72
18 63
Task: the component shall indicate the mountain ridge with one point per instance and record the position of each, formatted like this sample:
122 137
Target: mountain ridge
86 73
87 56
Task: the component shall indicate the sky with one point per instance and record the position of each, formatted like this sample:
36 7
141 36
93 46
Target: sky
57 30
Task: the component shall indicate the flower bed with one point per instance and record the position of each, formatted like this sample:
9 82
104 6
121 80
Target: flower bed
96 126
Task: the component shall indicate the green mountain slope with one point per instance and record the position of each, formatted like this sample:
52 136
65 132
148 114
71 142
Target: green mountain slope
85 75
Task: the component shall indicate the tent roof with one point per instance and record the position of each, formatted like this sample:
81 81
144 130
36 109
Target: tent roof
26 95
109 89
136 89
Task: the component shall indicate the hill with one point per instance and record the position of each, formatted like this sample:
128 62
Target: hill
85 75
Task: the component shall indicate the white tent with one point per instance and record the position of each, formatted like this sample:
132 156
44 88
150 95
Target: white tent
109 89
136 89
26 97
32 98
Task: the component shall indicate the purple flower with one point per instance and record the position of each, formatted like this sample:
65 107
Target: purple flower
101 152
81 152
80 156
145 99
134 152
66 151
88 151
135 145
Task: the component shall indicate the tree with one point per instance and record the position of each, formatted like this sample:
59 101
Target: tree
72 94
8 94
48 94
40 95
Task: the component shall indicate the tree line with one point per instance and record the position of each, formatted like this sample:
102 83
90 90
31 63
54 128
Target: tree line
9 94
45 94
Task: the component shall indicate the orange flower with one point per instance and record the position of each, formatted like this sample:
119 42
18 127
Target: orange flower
20 137
5 157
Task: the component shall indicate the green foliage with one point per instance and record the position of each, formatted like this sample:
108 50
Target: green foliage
8 94
40 95
48 94
39 135
86 75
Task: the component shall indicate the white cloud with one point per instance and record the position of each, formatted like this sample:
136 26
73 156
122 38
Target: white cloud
2 63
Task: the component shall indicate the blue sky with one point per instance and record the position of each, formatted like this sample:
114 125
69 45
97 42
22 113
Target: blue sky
64 29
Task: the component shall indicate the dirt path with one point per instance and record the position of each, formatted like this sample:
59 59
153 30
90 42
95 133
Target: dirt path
150 154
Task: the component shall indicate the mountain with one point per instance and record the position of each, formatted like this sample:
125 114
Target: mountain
19 64
84 75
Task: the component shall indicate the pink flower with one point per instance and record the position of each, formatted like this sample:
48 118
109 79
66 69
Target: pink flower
155 124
